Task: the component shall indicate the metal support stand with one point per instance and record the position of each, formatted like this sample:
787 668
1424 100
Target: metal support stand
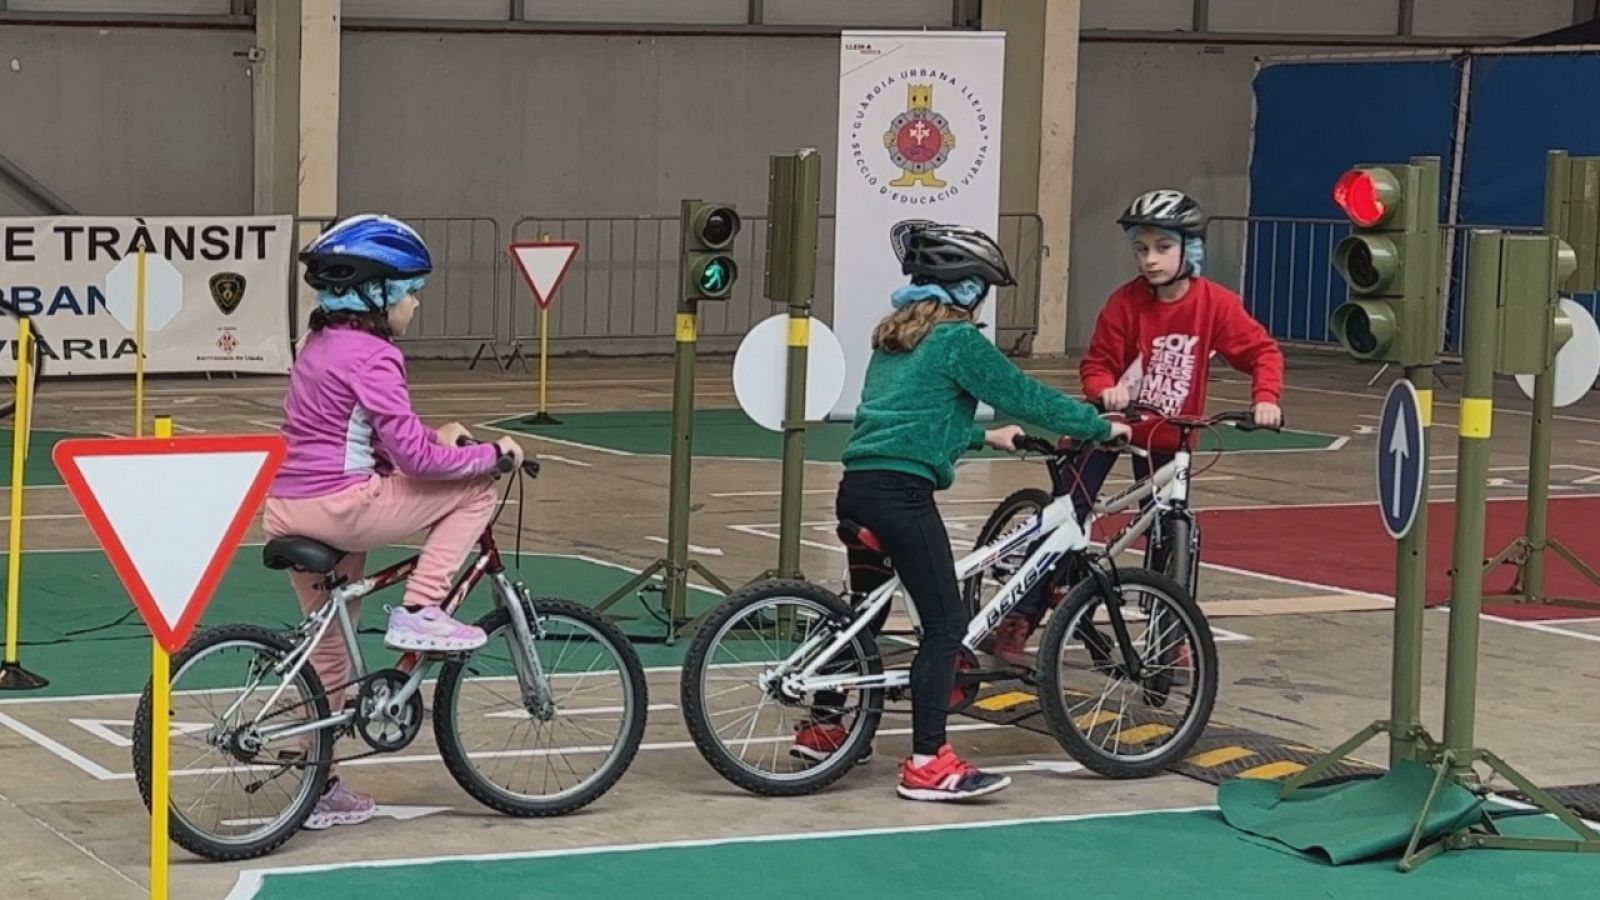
1527 553
675 568
1455 757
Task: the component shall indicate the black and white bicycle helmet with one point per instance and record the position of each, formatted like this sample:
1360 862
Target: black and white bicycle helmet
1166 208
930 251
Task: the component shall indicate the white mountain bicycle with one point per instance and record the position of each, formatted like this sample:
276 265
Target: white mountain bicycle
1106 685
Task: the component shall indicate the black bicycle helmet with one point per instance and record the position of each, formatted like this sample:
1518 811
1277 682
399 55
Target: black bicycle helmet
1166 208
930 251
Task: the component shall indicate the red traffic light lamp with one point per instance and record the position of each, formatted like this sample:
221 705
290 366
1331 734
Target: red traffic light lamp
1368 196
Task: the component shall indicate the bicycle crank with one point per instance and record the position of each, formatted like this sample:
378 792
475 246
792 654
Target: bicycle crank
385 724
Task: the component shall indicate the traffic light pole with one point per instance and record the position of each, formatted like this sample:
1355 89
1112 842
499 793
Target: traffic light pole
793 199
1407 738
675 568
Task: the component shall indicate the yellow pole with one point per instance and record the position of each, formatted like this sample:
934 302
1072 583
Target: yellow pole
19 453
544 355
138 357
160 731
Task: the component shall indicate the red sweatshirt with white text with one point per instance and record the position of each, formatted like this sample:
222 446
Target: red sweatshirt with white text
1162 351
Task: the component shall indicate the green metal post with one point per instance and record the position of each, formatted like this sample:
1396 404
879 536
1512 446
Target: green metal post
1544 393
797 191
683 357
1472 470
1410 601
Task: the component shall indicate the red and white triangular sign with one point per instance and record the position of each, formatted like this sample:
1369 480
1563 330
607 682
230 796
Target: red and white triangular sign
170 512
544 264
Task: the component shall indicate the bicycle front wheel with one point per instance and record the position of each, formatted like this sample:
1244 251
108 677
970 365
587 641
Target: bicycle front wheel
1128 701
544 749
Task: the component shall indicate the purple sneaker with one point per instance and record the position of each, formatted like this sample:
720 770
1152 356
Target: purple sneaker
340 806
430 630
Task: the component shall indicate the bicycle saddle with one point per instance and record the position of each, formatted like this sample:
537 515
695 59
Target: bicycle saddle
858 536
302 554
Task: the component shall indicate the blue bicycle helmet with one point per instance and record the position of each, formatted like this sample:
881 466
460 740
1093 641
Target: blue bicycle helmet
363 249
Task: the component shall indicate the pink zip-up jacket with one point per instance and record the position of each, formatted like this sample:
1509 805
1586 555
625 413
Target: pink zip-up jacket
348 416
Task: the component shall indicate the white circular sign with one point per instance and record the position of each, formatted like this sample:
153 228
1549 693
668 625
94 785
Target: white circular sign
1578 360
761 372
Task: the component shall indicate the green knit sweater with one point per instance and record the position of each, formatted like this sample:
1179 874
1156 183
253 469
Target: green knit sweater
917 409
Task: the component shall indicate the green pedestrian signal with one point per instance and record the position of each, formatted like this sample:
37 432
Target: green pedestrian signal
705 262
1390 262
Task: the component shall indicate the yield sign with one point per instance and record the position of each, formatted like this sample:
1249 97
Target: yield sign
544 264
170 512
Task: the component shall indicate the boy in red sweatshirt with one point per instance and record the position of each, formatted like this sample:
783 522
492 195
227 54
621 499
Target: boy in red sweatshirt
1152 344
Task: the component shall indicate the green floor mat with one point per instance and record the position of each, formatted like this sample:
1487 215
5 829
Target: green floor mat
80 631
38 468
1353 821
725 433
1151 856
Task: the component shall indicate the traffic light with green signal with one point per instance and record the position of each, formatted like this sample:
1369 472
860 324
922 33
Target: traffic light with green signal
705 260
1391 262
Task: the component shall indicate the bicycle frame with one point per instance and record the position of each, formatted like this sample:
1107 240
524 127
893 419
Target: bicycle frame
416 665
1057 523
1169 488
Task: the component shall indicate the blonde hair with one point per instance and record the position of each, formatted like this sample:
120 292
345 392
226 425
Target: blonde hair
904 329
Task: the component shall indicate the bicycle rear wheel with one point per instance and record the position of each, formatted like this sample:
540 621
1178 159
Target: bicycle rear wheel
744 723
1122 717
10 325
235 796
524 755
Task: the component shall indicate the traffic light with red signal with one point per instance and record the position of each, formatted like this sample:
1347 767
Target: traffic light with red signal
1391 262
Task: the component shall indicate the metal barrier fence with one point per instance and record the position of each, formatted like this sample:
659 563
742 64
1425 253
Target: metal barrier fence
620 295
1283 267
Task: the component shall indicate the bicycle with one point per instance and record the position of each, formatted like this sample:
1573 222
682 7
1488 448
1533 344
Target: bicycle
294 736
1173 544
812 628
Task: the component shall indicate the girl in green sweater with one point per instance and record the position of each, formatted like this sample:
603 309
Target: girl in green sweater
930 368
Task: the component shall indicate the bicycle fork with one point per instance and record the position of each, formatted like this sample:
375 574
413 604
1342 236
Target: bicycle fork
537 697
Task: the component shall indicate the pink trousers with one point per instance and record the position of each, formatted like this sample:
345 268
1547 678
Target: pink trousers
381 511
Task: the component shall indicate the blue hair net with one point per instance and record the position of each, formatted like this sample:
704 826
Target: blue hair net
382 294
965 293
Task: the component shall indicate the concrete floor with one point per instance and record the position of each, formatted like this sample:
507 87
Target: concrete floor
1313 664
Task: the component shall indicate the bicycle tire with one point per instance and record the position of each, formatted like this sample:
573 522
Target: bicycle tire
8 402
1026 498
183 833
448 735
695 666
1052 700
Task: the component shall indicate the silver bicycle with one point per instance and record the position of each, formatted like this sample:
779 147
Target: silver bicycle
780 654
1160 503
540 721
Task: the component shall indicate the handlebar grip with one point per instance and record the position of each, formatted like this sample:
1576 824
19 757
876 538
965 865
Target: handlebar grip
502 465
1030 442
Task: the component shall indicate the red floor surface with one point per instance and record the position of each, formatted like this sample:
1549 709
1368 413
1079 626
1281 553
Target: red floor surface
1346 547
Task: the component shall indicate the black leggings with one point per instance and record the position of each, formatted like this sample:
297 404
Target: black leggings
899 509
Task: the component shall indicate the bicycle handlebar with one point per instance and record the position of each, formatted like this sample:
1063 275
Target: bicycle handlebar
1135 414
503 464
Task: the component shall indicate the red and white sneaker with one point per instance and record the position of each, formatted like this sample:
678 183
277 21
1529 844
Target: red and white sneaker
947 777
816 742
